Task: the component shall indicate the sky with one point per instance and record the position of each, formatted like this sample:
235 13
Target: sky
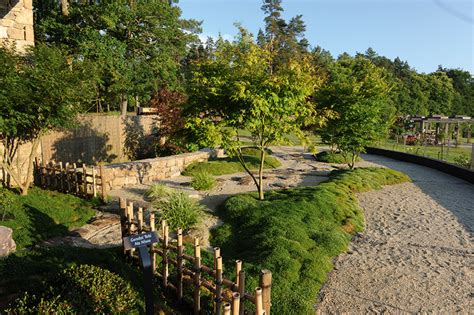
426 33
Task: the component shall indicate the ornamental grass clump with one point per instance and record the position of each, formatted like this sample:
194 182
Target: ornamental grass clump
176 207
203 181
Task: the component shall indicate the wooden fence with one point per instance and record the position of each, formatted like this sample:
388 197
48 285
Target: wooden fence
84 181
187 270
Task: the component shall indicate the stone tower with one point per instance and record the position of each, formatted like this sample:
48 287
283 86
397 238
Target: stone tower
16 23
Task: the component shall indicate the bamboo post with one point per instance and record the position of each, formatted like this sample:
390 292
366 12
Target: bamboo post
217 253
218 280
103 182
266 285
61 177
123 219
258 301
235 303
242 291
43 175
94 182
84 178
238 267
66 177
140 219
226 309
130 218
165 256
197 277
152 253
180 264
76 178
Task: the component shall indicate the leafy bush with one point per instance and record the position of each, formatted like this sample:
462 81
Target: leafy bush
82 289
8 204
295 233
203 181
176 207
332 157
463 160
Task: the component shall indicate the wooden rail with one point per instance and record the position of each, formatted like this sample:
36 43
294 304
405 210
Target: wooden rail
84 181
229 297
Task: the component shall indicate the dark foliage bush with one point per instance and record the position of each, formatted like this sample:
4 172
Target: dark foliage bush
82 289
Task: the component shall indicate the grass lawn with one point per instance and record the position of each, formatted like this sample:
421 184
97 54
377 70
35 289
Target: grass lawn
223 166
451 155
296 233
45 214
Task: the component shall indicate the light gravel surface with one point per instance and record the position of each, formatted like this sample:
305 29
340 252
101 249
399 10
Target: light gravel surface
416 253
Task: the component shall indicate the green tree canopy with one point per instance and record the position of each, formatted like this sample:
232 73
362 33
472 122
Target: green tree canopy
358 92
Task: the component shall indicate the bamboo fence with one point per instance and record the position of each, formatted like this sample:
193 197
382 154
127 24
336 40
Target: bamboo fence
229 297
84 181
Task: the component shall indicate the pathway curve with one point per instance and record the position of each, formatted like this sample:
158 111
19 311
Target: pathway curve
416 254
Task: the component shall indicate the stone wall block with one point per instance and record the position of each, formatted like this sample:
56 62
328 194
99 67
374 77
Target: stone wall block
14 33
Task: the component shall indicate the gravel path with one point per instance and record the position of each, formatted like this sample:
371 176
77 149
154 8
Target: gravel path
416 254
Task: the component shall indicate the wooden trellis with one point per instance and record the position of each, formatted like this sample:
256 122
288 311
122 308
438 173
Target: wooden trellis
229 297
84 181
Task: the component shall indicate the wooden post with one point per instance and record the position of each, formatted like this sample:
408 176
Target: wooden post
94 182
140 219
258 301
180 264
61 177
36 172
218 280
76 178
123 220
197 277
226 309
84 179
472 157
238 267
103 182
235 303
66 178
165 256
130 218
242 291
152 253
266 285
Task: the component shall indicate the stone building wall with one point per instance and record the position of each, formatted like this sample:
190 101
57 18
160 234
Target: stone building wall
16 23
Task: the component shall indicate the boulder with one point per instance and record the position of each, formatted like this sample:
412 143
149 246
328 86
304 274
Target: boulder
7 244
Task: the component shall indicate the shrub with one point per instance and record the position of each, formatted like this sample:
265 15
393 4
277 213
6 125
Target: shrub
203 181
179 210
463 160
82 289
332 157
8 204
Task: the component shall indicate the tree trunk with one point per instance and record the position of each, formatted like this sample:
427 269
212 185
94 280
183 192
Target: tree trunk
260 175
124 105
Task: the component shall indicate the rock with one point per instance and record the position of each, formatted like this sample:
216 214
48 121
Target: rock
7 244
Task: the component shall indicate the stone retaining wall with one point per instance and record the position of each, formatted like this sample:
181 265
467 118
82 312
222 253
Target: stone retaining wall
150 170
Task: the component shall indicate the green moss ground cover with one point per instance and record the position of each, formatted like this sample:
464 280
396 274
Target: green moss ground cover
223 166
45 214
297 232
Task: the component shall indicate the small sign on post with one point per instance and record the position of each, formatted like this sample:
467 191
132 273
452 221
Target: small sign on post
141 241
